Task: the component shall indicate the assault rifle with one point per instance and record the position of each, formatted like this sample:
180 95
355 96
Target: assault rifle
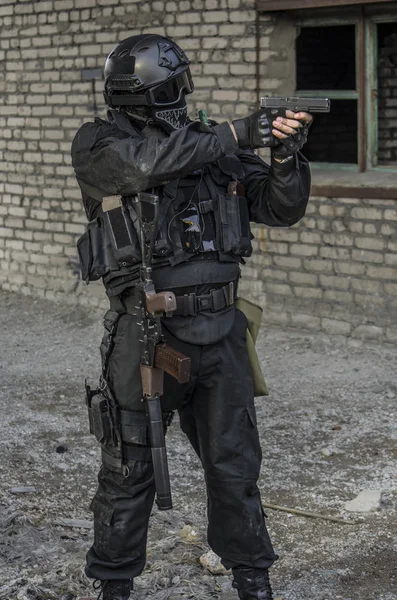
156 355
277 106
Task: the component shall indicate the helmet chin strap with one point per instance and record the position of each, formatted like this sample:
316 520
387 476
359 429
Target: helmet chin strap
141 114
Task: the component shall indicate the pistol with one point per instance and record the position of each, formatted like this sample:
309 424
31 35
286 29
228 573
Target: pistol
277 106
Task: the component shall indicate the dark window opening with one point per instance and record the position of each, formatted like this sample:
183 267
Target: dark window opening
387 94
333 137
325 58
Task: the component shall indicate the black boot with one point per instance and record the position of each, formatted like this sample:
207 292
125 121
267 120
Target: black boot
115 589
252 584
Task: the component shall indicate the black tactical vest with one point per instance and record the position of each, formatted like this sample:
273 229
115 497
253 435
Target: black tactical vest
204 215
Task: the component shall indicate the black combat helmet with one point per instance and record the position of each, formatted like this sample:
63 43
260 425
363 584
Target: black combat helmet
146 70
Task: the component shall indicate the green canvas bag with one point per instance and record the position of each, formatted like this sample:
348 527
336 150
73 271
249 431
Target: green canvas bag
253 313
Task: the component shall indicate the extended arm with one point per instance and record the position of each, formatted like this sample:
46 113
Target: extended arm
112 161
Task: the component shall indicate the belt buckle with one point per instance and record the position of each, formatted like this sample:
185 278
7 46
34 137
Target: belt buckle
204 302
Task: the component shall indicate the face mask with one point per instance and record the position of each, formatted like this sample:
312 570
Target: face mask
169 119
173 118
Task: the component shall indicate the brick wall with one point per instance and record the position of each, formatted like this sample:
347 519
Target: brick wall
49 49
335 271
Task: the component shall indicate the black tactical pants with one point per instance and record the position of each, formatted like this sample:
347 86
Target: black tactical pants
217 414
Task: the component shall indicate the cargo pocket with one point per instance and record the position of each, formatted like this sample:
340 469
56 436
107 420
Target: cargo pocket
103 528
251 444
134 427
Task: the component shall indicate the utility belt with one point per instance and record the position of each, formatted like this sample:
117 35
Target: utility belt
189 305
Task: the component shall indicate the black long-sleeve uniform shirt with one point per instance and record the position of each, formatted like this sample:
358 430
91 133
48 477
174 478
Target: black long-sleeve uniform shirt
113 160
108 161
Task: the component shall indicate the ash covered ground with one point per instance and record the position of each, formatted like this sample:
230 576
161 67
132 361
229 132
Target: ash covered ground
328 431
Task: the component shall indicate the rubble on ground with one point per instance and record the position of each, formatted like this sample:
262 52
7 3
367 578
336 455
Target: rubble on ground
324 394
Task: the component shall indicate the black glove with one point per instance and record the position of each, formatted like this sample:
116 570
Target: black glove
291 144
254 131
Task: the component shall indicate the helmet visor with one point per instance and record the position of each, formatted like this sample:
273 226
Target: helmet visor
170 91
119 91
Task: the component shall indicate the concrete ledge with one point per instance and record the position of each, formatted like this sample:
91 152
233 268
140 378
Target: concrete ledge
337 183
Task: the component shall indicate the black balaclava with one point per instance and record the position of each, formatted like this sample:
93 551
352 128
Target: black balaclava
172 118
168 118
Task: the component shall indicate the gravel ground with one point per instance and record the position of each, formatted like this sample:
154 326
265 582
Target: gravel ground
327 429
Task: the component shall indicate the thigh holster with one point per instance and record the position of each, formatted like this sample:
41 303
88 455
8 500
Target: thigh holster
134 445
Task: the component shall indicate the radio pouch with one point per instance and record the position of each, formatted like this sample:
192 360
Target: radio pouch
93 255
120 231
99 415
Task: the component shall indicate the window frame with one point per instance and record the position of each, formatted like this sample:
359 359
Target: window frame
371 44
336 94
365 22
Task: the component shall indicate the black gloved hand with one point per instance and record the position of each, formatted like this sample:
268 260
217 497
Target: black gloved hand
291 144
254 131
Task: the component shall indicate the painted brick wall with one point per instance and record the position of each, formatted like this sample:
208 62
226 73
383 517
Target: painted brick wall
335 271
48 47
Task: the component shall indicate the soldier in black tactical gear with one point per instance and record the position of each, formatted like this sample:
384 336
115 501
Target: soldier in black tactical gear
211 185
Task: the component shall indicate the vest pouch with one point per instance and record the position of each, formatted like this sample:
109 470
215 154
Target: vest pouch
85 255
93 256
173 236
100 258
163 246
102 426
99 415
232 220
122 236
